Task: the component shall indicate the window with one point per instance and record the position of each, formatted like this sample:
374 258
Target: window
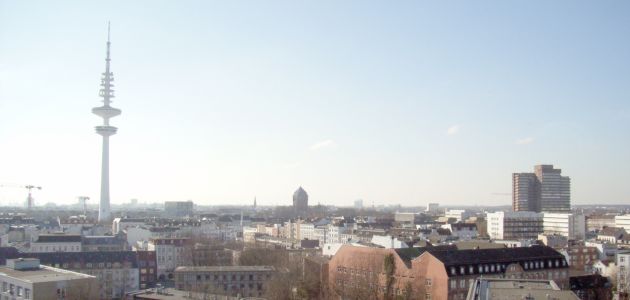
427 296
453 283
428 282
19 291
462 283
27 294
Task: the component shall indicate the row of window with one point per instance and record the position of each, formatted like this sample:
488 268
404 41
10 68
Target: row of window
16 290
224 277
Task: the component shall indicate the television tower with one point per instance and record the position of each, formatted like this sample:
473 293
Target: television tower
106 111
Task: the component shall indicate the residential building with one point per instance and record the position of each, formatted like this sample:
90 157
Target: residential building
116 271
571 225
104 243
581 257
56 243
611 234
247 281
553 240
623 272
147 267
170 253
462 231
25 278
514 225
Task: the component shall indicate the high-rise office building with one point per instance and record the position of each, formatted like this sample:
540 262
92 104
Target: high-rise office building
545 190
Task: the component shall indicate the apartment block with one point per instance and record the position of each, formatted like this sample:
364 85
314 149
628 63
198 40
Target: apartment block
25 278
247 281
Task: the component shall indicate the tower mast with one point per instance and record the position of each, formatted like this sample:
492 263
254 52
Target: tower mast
106 112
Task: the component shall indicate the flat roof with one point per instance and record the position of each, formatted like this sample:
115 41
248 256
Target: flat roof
224 268
43 274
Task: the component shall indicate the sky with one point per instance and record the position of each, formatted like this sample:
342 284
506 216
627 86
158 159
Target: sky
404 102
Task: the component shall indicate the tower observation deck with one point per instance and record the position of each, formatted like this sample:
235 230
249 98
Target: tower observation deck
106 112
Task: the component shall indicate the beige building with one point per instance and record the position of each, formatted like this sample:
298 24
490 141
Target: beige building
25 278
246 281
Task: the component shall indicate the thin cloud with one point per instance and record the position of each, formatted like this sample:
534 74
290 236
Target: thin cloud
453 130
292 165
524 141
323 145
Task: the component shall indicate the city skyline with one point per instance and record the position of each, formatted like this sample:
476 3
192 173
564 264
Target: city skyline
405 104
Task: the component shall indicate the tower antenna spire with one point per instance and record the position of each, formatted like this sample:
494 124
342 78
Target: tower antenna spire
106 112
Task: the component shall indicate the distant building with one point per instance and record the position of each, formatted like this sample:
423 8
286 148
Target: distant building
300 201
247 281
597 222
178 208
623 221
358 204
459 215
514 225
553 240
25 278
573 226
104 243
57 243
500 288
433 208
404 217
463 231
545 190
120 224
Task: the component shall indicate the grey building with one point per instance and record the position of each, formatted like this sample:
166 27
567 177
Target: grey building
300 201
25 278
178 208
545 190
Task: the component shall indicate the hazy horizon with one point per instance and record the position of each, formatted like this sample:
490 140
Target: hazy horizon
404 103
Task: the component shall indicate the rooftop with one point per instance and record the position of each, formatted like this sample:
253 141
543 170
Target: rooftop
59 238
499 289
225 269
43 274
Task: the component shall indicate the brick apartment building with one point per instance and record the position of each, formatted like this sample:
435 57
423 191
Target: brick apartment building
437 272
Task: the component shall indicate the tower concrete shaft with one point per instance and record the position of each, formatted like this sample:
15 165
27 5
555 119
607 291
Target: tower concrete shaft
106 112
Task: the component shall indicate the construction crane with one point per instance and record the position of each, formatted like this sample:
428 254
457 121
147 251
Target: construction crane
29 200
